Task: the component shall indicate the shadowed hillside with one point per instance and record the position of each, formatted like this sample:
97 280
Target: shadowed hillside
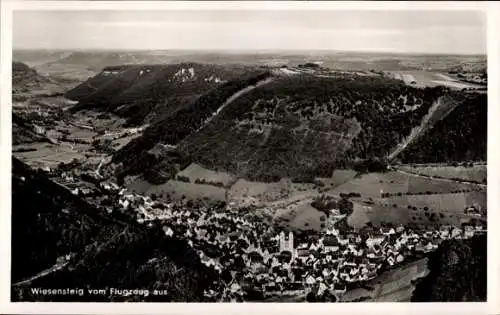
299 127
457 273
461 136
146 93
24 132
71 244
27 82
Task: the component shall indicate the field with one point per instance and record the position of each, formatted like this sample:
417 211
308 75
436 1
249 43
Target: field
259 191
374 184
423 185
447 209
430 79
392 286
300 216
377 213
477 173
48 154
338 178
360 215
197 172
178 189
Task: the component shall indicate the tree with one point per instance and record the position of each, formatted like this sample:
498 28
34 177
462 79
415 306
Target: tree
311 297
448 282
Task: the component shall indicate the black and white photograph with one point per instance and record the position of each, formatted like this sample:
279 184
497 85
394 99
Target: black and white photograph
248 155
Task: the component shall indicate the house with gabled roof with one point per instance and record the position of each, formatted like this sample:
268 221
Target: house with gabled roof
374 240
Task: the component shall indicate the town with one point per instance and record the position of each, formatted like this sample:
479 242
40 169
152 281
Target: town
254 257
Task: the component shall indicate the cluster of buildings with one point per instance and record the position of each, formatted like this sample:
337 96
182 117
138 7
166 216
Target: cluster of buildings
251 255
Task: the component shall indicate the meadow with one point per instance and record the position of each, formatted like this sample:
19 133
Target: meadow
244 189
422 210
429 79
48 154
338 178
196 172
391 286
301 216
375 184
178 189
476 173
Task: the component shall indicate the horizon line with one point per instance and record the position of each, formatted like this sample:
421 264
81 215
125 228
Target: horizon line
254 51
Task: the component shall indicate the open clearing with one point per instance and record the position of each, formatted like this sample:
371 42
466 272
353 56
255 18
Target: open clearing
259 191
377 213
374 184
430 79
301 216
423 185
196 172
477 173
338 178
360 215
178 189
48 154
391 286
448 209
453 203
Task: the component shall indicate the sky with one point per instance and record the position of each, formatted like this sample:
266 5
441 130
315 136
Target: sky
439 32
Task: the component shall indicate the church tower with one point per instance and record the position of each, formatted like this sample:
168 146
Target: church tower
286 243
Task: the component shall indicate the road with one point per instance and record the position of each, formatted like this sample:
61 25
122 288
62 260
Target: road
103 160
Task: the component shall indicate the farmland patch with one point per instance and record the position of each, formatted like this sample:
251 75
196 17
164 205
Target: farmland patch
360 215
477 173
374 184
259 191
338 178
421 210
435 186
177 190
301 216
48 154
196 172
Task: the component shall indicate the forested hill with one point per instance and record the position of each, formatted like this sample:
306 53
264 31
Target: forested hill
300 126
457 273
22 74
461 136
106 250
146 93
